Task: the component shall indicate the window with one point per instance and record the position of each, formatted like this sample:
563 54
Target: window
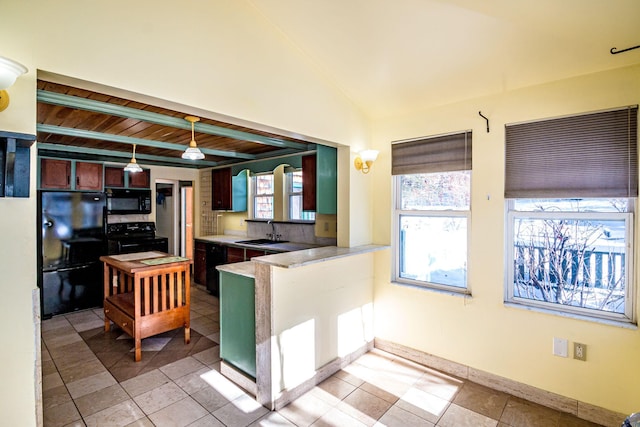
571 253
571 187
432 207
263 196
294 194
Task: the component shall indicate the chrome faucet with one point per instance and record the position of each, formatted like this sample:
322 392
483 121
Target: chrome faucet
273 235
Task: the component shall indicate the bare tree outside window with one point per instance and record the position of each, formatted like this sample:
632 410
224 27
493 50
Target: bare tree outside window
572 254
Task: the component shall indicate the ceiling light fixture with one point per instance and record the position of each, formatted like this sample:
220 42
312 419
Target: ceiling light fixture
365 159
133 166
9 71
193 152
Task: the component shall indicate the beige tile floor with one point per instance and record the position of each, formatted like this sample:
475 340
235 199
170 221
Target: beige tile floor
183 387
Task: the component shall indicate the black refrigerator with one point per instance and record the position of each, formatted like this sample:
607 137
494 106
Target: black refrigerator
71 241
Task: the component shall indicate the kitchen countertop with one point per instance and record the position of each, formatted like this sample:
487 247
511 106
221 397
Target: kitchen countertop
246 268
289 254
230 240
314 255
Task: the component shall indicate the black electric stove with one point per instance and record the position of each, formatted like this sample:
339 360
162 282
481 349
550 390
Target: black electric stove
129 237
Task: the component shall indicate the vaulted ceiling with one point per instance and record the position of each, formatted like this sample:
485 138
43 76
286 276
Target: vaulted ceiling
389 57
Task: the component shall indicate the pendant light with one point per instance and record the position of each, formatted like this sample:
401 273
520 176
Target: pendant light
193 152
133 166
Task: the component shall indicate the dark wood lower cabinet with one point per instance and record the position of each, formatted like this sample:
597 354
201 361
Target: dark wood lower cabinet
207 256
200 264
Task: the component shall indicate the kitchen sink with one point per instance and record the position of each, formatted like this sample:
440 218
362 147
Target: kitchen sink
261 242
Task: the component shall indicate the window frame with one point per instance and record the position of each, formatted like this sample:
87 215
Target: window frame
629 315
255 195
289 193
398 213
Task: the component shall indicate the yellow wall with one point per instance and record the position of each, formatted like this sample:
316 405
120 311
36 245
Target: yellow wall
480 331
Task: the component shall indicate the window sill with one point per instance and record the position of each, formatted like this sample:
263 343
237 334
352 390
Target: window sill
464 293
608 322
280 222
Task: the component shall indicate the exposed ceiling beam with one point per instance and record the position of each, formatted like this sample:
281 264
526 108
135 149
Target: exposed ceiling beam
108 153
161 119
59 130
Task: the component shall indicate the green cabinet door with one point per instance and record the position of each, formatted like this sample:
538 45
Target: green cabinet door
239 191
326 180
238 322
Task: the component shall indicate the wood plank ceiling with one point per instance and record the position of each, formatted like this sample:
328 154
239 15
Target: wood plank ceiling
81 124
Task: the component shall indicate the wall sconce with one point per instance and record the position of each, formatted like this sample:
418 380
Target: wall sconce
9 72
365 159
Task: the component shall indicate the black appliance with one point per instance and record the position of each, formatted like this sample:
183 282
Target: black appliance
70 243
122 201
216 255
129 237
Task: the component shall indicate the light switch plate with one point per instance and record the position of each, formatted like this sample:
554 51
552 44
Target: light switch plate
560 347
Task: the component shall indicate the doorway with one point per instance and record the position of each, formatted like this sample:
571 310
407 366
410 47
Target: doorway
186 225
174 215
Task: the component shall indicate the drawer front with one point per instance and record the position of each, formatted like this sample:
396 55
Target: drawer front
119 318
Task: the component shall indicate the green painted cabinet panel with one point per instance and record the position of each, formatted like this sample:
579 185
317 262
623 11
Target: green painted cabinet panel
238 322
326 180
239 191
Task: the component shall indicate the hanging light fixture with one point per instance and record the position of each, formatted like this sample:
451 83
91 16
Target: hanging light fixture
133 166
193 152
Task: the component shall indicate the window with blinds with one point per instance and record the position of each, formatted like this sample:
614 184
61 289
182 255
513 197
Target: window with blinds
571 185
432 206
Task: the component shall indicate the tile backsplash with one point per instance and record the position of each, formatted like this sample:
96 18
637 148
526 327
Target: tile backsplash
207 216
292 232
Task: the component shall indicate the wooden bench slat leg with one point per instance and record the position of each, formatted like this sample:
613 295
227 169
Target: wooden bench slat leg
138 352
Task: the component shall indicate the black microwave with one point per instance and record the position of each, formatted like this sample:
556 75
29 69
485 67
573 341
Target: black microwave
125 201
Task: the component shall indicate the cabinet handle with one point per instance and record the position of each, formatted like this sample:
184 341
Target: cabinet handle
77 180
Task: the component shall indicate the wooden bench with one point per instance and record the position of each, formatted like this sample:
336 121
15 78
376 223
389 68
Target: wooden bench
146 300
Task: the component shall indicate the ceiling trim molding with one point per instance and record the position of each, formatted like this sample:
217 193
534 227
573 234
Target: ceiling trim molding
109 153
160 119
80 133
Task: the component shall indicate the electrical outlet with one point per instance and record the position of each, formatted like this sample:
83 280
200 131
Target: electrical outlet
560 347
326 226
579 351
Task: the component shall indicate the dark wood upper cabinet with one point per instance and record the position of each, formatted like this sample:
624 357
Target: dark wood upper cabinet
140 179
221 189
88 176
55 173
309 183
113 177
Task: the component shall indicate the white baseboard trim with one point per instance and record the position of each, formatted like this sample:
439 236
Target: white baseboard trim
238 377
289 395
524 391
